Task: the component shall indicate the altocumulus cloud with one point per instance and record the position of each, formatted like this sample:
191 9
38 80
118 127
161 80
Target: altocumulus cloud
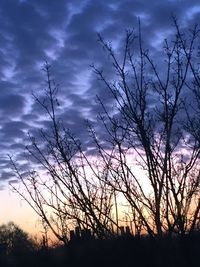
64 33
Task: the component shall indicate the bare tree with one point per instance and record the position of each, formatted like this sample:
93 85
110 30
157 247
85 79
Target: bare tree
148 129
151 126
15 239
65 195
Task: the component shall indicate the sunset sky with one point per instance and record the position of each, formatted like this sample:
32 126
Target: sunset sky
64 33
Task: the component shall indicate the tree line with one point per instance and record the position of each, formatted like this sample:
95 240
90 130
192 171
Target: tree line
17 249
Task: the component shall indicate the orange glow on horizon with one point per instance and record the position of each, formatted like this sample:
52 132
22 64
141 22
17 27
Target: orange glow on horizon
17 210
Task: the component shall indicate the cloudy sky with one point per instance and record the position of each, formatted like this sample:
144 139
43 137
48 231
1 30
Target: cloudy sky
64 32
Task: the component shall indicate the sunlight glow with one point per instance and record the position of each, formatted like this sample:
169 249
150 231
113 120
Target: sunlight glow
18 211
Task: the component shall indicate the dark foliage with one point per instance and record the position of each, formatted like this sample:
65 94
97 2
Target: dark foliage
120 251
16 248
132 251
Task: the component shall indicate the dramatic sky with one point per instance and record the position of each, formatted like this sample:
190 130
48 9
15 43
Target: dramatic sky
64 32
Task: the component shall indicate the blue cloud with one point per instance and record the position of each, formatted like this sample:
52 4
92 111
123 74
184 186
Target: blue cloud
65 34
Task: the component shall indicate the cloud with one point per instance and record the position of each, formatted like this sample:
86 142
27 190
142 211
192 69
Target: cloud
65 34
6 176
11 105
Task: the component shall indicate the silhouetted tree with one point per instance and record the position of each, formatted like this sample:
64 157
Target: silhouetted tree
152 124
15 238
66 195
149 129
17 245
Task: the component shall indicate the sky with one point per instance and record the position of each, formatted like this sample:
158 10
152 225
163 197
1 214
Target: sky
64 33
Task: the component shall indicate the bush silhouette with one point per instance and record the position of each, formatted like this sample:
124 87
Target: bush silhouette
15 245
